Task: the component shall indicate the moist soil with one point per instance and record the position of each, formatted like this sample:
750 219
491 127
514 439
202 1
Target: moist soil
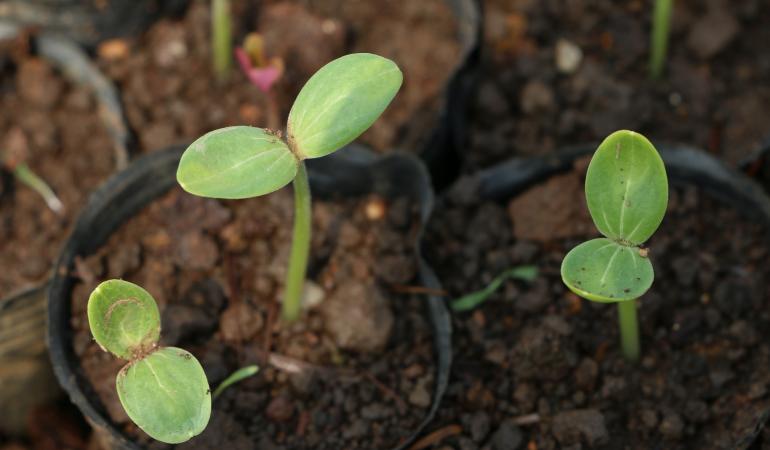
171 96
355 372
534 96
53 126
536 367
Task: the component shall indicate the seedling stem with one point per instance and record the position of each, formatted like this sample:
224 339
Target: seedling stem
34 182
221 40
300 246
629 330
661 22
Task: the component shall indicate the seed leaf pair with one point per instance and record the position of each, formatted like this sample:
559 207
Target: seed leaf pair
627 193
335 106
163 389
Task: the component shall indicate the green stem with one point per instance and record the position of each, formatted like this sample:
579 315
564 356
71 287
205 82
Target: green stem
24 174
221 39
629 329
659 37
238 375
300 246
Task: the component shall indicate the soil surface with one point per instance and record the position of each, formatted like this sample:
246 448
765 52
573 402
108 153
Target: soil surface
54 127
536 367
356 372
561 73
170 94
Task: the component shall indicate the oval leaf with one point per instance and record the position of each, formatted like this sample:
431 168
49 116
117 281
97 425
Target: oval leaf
627 188
166 394
236 162
124 318
605 271
340 102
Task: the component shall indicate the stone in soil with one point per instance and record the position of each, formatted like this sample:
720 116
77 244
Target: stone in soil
712 33
507 437
543 213
571 427
358 317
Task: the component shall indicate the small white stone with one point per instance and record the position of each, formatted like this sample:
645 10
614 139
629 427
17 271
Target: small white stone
312 295
568 56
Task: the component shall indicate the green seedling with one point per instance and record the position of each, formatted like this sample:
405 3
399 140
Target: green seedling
221 39
335 106
235 377
262 72
163 389
469 301
627 193
26 176
661 22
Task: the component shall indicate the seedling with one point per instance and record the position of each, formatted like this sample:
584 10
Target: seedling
661 22
163 389
627 193
221 39
335 106
235 377
470 301
262 72
25 175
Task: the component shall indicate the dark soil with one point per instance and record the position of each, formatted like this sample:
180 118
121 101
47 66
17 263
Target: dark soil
170 95
355 373
55 128
536 367
715 93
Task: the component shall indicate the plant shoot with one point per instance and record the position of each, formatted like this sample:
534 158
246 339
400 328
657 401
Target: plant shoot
335 106
163 389
627 193
661 22
221 39
469 301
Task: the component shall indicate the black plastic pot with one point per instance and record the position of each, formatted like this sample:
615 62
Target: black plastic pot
445 144
349 173
75 64
684 165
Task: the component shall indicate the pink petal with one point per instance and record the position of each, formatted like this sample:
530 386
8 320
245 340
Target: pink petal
261 77
243 59
264 77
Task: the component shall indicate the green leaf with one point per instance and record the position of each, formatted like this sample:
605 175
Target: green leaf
627 188
124 318
166 394
236 162
470 301
605 271
239 375
340 102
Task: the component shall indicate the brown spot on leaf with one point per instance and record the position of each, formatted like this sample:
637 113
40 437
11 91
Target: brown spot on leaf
121 302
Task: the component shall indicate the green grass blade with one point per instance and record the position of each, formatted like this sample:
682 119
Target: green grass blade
472 300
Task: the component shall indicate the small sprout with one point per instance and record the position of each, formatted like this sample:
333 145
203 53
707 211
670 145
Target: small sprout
239 375
661 22
221 39
336 105
25 175
615 269
163 389
261 72
14 158
472 300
